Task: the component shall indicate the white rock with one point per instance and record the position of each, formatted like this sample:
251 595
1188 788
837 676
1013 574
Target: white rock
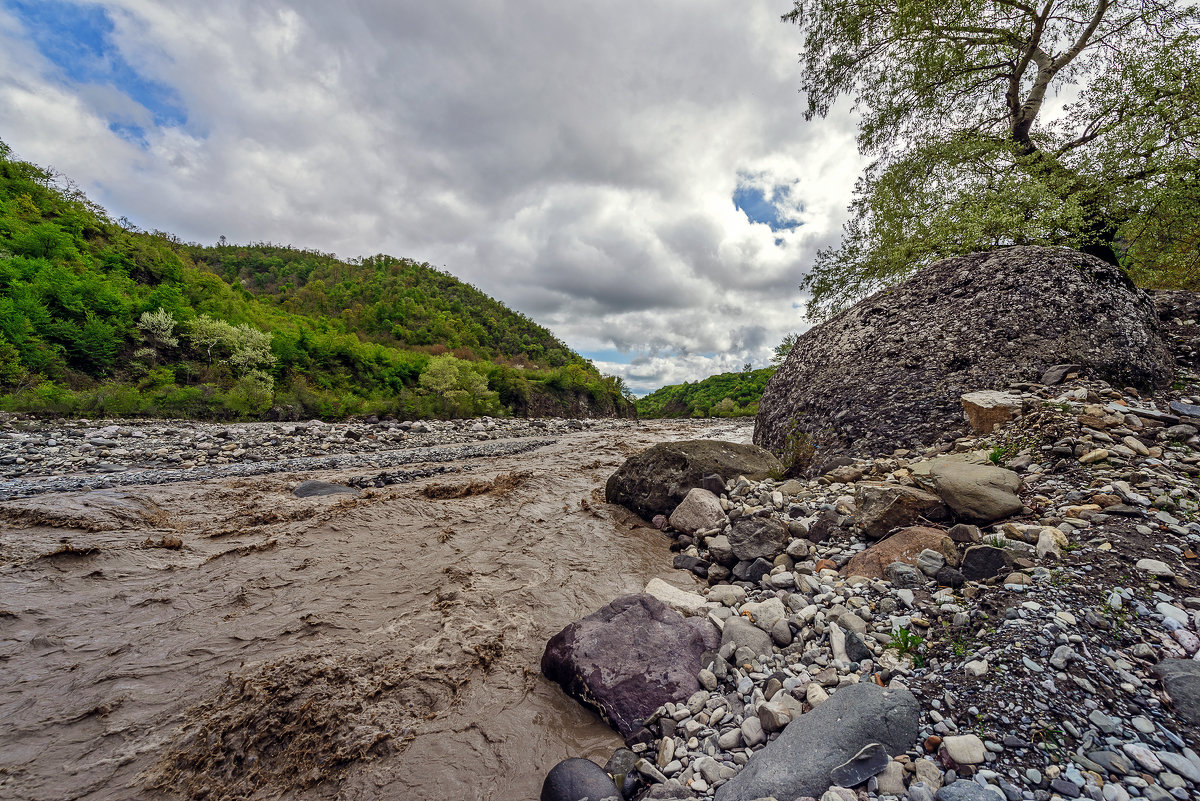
1173 612
682 601
976 667
765 614
964 749
1143 756
837 643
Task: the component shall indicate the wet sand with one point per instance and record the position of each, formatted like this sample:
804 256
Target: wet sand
384 646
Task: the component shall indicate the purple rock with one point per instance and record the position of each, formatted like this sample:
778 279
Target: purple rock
629 658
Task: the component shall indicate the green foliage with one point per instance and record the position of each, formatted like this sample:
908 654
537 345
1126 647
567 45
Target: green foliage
708 397
784 348
388 300
798 453
952 102
251 395
908 643
457 388
97 319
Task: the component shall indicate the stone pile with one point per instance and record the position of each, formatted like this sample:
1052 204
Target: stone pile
1033 585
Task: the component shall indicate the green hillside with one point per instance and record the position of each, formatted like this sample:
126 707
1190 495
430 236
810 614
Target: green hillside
392 301
724 395
97 319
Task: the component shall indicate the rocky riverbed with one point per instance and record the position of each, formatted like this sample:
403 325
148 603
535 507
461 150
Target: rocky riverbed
1048 637
174 619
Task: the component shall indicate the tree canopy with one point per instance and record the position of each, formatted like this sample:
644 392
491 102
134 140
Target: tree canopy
1001 122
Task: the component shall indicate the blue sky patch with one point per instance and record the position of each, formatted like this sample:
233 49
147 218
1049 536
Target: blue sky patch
607 355
764 205
78 39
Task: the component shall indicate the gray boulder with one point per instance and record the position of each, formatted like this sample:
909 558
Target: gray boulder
656 480
753 538
800 762
890 371
1181 678
700 509
966 790
977 493
629 658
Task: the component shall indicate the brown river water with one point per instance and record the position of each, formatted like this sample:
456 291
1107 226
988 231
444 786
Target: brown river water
379 647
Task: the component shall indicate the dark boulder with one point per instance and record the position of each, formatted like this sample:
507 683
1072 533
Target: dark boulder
813 745
629 658
890 372
656 480
751 571
982 562
577 779
317 489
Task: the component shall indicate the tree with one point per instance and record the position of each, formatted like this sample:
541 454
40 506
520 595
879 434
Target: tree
208 334
459 389
1001 122
251 349
784 348
158 327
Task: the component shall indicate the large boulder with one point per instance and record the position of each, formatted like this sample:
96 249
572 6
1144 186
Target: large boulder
800 762
879 508
890 371
629 658
976 493
656 480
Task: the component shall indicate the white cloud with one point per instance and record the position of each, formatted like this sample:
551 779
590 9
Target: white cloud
575 161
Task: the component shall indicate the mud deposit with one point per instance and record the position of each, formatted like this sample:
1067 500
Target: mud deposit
224 639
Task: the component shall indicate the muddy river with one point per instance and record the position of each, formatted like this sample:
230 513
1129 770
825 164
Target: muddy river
227 640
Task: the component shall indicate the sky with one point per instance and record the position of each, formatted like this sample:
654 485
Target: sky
637 177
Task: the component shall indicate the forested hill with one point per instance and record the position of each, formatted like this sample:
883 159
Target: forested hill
388 300
724 395
100 320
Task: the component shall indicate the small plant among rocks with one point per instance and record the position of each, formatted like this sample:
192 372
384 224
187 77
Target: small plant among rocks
908 643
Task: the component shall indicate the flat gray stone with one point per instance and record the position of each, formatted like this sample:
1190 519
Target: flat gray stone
800 761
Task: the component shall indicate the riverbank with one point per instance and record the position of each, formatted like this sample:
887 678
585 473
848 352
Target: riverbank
1028 594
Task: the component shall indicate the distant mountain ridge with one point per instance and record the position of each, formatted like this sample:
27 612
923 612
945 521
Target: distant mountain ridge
100 319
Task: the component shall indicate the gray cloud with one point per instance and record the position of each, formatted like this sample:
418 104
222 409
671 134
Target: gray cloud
576 161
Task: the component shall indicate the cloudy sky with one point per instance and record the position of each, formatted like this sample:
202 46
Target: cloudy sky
636 176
